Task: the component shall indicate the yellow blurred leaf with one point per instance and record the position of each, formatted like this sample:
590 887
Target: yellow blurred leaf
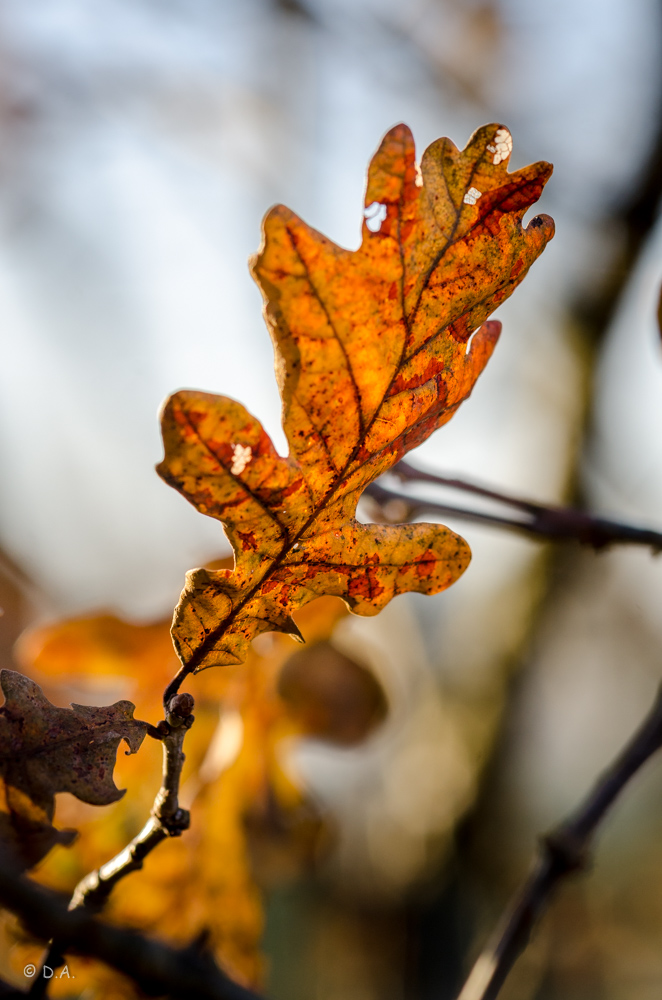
234 783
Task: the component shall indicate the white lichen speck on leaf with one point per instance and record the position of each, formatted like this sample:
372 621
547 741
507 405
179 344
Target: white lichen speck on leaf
241 456
502 147
472 196
374 214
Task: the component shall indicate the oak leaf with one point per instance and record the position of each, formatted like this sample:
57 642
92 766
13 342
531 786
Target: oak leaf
45 750
371 357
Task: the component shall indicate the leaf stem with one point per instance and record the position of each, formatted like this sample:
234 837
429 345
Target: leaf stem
562 852
175 684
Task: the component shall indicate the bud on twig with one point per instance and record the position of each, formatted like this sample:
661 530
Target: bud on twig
179 710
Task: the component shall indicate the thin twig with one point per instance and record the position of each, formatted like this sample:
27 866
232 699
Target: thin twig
541 521
156 969
562 852
167 819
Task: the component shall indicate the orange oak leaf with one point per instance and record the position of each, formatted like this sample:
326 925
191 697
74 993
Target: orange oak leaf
45 750
371 356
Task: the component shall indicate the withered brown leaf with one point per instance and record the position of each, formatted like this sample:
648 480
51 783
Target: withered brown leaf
45 750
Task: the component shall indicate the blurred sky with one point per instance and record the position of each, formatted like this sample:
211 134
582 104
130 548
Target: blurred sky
142 143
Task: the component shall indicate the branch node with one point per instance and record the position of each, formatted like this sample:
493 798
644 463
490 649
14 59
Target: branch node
178 824
179 710
565 851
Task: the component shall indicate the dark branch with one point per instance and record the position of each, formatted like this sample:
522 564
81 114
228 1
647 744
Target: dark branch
157 969
562 852
539 521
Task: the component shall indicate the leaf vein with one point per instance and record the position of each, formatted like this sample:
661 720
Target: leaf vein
322 304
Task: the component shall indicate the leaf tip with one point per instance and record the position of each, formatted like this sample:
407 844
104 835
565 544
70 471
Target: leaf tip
543 223
291 628
400 133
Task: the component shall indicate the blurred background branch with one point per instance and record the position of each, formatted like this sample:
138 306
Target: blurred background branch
545 523
563 852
